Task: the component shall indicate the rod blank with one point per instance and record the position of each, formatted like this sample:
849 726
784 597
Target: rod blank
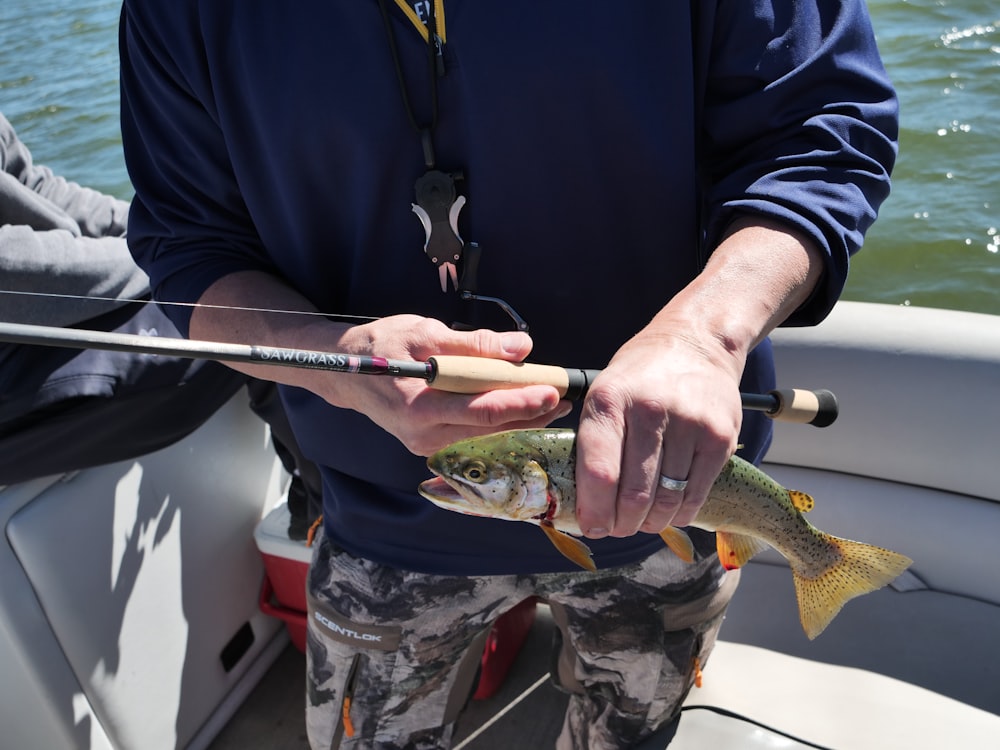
454 374
77 338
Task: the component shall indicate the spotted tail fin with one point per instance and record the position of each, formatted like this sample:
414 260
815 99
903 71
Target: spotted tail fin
861 569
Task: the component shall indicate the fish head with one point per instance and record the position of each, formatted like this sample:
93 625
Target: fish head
491 477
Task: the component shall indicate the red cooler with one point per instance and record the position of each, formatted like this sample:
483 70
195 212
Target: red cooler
286 561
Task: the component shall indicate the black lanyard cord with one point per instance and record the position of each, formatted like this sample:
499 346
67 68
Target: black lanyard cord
426 133
437 203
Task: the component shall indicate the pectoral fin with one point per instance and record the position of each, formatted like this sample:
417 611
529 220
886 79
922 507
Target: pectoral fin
735 550
679 542
571 547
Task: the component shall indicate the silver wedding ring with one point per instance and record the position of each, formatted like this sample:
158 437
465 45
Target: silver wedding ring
677 485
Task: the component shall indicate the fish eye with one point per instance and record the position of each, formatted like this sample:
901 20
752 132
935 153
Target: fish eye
475 472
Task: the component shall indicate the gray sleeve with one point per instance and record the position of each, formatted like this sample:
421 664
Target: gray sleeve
32 194
55 262
95 214
58 238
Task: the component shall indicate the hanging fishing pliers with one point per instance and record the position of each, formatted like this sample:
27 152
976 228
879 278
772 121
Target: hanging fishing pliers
437 207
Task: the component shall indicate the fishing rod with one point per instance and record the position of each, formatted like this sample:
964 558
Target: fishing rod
452 373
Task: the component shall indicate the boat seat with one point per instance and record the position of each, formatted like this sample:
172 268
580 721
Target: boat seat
908 465
823 704
128 602
919 396
932 627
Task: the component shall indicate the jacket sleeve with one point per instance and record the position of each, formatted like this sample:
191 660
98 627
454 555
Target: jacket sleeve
52 241
48 201
800 124
177 160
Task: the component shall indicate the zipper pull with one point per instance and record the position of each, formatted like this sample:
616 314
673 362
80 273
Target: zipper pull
439 55
348 724
345 708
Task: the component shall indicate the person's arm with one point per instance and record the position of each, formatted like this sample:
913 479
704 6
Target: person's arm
45 250
190 229
421 418
799 123
50 201
669 400
57 262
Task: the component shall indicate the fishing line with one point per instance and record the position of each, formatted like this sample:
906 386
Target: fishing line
124 301
506 709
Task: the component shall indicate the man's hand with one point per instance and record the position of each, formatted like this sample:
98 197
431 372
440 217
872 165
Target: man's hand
664 405
235 309
425 419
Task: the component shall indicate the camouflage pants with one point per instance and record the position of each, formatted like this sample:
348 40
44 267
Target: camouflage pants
392 655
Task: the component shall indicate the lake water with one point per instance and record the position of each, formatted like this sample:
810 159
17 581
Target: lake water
936 244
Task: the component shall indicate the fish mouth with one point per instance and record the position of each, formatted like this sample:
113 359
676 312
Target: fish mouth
438 490
444 495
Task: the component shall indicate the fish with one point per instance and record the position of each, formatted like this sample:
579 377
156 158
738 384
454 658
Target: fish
529 476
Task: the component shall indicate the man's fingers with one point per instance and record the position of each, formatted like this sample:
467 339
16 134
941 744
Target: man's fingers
643 502
598 466
705 469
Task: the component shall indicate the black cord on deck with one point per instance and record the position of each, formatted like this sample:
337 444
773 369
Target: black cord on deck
740 717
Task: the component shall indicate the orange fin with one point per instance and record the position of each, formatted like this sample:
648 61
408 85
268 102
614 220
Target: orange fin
735 550
803 503
571 547
678 542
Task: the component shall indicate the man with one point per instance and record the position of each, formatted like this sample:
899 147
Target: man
651 190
